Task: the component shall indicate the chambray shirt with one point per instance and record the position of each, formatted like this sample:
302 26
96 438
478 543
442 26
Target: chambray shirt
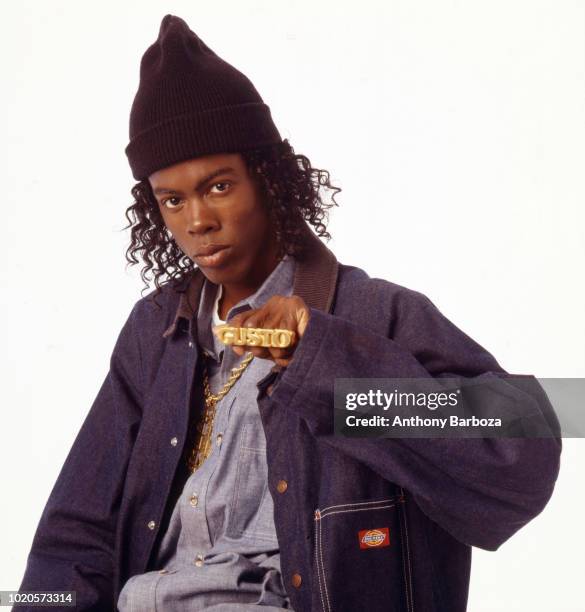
220 551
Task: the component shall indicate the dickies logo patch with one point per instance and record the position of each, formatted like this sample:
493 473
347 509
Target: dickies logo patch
374 538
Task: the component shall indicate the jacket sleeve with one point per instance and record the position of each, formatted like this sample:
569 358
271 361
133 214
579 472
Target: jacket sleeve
73 547
480 490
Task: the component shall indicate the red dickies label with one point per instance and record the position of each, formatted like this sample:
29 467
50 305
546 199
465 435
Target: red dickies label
374 538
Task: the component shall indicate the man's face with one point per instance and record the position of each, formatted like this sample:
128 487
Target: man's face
214 211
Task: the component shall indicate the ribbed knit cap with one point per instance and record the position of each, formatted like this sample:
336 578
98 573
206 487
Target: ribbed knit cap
190 102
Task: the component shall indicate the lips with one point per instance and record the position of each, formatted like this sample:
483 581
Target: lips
210 249
211 256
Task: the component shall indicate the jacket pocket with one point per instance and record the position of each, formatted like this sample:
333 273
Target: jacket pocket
362 557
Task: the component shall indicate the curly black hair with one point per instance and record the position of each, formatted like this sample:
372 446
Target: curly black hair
291 190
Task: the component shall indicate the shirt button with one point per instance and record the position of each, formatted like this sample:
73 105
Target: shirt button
194 500
190 343
282 486
219 439
199 561
296 580
151 525
174 441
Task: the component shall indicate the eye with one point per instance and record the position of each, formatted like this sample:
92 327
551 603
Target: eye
166 202
223 185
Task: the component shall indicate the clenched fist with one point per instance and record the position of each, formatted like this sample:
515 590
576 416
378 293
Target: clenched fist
278 312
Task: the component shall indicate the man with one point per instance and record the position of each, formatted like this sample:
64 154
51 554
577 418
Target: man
208 477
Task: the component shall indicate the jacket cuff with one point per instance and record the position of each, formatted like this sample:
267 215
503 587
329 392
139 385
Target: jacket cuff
293 376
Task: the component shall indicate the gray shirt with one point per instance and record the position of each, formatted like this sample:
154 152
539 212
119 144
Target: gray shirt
220 551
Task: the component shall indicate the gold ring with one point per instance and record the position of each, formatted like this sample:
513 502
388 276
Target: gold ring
254 336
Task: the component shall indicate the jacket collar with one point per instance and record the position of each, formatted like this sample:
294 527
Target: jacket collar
315 280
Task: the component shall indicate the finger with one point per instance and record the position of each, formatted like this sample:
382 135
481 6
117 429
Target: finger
280 320
238 350
281 353
259 351
283 362
254 318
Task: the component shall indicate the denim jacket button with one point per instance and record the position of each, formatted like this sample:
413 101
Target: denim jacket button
174 441
282 486
151 525
296 580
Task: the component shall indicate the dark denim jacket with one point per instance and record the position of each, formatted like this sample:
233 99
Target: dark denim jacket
112 500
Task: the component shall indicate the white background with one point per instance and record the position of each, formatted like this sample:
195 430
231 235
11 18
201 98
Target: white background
457 132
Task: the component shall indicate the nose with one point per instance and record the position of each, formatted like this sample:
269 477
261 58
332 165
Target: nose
200 218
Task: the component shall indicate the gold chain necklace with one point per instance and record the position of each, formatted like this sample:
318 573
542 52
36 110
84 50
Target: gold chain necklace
204 429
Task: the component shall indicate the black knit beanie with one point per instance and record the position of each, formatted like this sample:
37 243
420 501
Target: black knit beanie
190 102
